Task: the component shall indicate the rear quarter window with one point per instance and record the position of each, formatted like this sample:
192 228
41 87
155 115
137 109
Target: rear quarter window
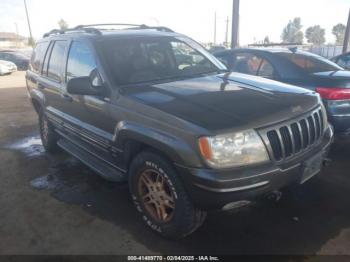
38 55
310 63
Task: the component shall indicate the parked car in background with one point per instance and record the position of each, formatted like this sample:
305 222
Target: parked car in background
7 67
302 69
216 48
188 138
18 58
343 60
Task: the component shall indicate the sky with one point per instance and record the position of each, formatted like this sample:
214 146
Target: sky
195 18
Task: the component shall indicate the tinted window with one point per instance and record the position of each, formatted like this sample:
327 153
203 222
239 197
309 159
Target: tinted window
246 63
311 63
38 56
140 60
224 58
80 61
56 62
344 61
266 70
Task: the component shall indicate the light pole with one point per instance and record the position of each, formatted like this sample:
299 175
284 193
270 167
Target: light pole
215 28
347 35
30 29
235 23
226 36
17 35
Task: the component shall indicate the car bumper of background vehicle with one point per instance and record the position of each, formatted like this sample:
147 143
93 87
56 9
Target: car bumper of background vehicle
339 115
213 189
341 124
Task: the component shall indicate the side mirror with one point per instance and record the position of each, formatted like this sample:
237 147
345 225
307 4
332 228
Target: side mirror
86 85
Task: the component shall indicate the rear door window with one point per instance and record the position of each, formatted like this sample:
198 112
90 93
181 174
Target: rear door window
251 64
38 55
266 70
56 62
81 60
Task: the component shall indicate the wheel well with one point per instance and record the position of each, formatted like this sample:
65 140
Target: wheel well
134 147
36 106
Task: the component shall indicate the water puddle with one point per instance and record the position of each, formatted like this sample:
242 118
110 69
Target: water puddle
30 146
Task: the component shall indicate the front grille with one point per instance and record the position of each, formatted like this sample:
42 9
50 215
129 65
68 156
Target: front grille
289 139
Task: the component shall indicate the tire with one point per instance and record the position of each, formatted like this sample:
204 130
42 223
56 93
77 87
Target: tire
48 135
165 207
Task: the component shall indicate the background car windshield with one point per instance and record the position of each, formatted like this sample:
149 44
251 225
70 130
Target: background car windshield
138 60
311 63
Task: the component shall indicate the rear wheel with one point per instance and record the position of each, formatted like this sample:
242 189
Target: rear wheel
160 197
48 135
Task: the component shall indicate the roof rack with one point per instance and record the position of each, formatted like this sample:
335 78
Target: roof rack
92 28
133 26
71 30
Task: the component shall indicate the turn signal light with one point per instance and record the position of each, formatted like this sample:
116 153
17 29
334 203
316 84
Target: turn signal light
204 147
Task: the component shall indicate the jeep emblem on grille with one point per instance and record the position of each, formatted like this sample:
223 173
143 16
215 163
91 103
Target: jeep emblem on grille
296 109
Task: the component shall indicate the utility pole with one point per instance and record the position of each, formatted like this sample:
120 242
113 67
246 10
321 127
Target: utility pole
30 29
235 24
17 35
347 35
226 36
215 28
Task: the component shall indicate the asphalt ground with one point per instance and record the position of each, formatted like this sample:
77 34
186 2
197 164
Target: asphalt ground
52 204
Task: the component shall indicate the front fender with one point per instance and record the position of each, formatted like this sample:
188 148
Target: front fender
177 150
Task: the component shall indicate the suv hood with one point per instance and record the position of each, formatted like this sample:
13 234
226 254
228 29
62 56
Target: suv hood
227 101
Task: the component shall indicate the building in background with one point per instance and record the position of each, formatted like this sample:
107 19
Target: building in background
12 40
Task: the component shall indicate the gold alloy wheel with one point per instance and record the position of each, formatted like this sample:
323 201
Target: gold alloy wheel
156 195
45 129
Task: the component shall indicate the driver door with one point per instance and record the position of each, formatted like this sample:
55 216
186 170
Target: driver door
87 112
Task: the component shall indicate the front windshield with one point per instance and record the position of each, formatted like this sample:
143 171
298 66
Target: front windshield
140 60
311 63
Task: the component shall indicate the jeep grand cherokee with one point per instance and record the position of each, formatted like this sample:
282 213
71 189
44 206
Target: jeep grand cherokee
152 107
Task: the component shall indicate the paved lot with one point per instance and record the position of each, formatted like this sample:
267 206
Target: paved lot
54 205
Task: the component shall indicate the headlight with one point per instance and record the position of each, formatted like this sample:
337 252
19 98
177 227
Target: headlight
236 149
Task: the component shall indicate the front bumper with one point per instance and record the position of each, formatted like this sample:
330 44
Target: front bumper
213 189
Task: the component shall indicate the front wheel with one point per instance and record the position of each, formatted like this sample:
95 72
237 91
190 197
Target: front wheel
160 197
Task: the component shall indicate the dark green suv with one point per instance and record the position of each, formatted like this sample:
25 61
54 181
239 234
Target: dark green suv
152 107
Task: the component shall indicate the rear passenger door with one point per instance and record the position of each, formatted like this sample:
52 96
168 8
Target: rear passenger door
53 77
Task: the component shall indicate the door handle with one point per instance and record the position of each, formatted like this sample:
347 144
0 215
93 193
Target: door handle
67 97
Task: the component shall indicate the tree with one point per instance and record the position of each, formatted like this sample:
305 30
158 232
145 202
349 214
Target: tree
62 24
315 35
339 32
292 32
267 40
